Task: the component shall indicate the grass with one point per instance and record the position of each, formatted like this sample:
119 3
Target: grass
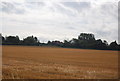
22 62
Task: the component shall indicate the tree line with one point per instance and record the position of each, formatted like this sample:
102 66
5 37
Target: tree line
84 41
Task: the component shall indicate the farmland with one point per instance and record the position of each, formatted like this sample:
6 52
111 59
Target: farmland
30 62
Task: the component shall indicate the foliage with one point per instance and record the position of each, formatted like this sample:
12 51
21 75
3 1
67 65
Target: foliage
31 40
84 41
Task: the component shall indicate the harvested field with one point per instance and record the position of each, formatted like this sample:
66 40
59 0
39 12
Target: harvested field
23 62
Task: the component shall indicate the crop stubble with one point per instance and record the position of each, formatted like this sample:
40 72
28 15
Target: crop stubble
29 62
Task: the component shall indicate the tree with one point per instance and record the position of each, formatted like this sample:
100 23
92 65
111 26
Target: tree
55 43
49 43
100 45
12 40
66 43
114 46
1 38
105 42
84 40
85 36
75 43
31 40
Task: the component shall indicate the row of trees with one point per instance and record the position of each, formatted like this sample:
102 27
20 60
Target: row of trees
84 40
14 40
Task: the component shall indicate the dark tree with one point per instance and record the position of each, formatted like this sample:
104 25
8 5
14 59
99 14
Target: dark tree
85 36
100 45
114 46
30 40
75 43
1 38
55 43
49 43
85 41
105 42
66 43
12 40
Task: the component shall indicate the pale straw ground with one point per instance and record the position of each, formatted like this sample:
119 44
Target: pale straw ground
23 62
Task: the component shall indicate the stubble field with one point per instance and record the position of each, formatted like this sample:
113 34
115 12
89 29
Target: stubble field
23 62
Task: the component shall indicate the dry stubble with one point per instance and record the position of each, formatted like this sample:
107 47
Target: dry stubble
58 63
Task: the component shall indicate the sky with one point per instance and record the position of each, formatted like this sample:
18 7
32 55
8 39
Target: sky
59 20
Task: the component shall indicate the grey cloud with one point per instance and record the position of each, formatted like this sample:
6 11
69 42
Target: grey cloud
110 9
64 11
60 20
102 33
34 5
8 7
78 5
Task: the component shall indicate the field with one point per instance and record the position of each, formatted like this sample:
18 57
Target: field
58 63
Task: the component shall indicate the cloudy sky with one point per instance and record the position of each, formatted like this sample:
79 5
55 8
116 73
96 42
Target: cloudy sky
50 20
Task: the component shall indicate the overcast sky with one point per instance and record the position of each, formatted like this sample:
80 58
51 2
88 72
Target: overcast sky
50 20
